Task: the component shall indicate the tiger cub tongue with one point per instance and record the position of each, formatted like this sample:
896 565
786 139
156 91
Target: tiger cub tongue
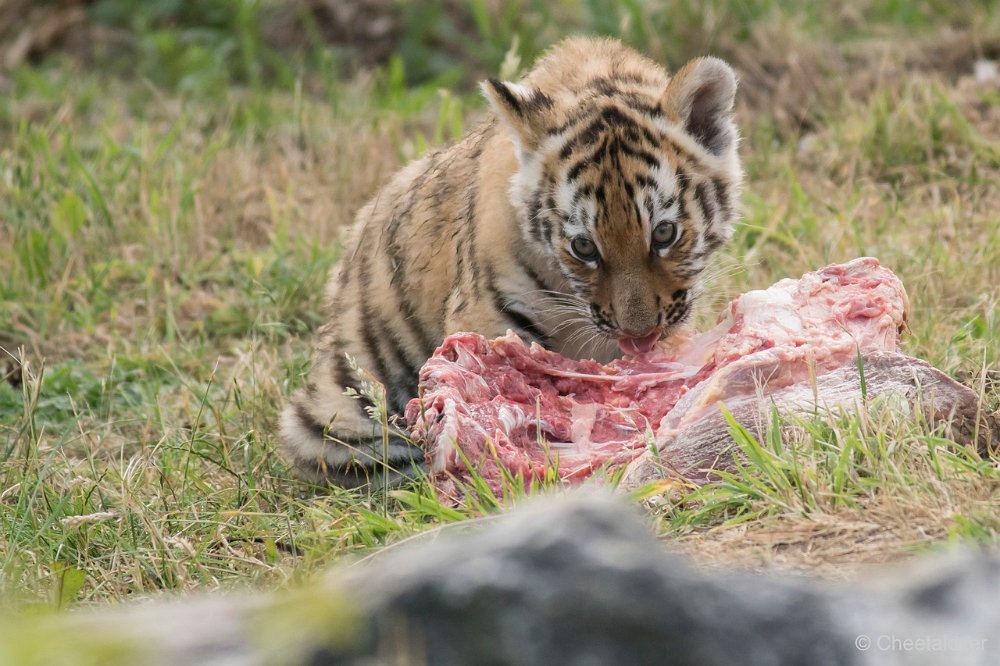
632 346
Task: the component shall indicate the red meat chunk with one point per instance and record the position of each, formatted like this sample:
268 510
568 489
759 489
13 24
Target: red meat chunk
496 404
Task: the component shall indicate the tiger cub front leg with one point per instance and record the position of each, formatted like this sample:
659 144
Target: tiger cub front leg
476 314
329 436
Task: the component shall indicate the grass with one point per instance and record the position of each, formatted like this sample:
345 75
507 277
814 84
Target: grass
839 491
167 223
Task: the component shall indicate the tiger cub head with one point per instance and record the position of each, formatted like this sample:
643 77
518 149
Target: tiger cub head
628 179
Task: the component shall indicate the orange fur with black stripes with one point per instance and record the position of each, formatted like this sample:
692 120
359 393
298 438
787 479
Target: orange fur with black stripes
581 216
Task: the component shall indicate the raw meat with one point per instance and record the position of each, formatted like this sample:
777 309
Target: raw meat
698 443
506 408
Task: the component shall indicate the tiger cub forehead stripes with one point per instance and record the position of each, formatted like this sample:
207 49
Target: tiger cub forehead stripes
581 216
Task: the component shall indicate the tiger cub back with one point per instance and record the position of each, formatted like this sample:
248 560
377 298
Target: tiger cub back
581 215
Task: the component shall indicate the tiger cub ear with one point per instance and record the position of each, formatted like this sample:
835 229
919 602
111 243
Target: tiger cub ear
521 108
700 98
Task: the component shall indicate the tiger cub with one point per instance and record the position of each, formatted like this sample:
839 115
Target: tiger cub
581 216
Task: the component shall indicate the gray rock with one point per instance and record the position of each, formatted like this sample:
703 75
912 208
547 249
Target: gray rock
572 580
582 581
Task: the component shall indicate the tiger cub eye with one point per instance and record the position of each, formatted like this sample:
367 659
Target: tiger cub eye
584 248
664 235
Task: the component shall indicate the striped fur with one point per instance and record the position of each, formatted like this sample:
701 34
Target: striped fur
598 149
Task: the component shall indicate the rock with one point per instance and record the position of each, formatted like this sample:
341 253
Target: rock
941 610
573 580
582 581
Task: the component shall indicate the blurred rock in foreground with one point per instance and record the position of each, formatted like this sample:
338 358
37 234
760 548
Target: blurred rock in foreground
572 580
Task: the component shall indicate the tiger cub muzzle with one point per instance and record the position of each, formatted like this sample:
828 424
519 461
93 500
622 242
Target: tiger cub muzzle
637 318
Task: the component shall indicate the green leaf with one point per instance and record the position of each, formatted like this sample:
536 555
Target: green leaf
271 551
69 215
68 583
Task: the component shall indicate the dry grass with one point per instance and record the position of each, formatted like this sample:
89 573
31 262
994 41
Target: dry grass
912 509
